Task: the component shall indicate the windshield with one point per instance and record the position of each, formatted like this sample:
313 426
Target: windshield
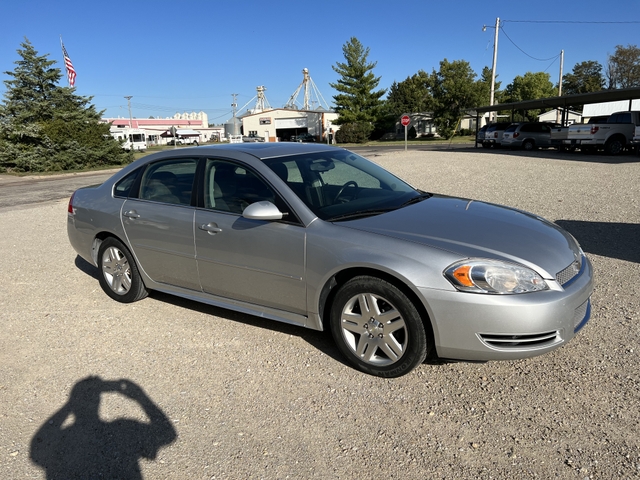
339 184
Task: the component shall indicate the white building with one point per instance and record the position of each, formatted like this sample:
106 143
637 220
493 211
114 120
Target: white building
155 127
280 124
607 108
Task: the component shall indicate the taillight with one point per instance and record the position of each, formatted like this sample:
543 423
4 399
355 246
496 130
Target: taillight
70 210
516 134
495 134
594 129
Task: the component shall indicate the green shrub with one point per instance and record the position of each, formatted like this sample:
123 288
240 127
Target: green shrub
354 133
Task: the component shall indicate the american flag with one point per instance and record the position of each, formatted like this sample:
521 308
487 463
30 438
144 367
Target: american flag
71 72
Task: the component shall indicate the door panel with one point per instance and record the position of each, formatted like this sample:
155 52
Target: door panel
162 240
159 223
260 262
254 261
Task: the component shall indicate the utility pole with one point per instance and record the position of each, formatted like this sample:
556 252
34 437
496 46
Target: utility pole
560 86
129 97
495 62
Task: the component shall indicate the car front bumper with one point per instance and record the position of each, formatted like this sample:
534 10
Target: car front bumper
479 327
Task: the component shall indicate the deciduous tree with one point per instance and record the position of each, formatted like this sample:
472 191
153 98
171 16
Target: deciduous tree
530 86
454 92
586 77
623 67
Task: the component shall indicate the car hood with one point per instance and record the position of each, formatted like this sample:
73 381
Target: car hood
472 228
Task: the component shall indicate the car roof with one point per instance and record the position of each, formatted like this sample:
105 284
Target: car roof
259 150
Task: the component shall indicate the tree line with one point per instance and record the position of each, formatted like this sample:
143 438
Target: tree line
452 90
47 127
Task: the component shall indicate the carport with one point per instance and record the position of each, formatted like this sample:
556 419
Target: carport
562 103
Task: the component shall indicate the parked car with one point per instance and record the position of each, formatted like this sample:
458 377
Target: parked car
528 136
481 134
252 138
303 137
183 141
320 237
493 134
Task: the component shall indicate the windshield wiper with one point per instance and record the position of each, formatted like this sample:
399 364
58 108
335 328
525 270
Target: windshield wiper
360 214
419 198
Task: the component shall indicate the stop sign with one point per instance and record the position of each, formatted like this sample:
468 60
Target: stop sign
405 120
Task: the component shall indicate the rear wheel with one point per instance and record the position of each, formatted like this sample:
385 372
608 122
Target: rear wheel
377 327
614 147
119 276
528 145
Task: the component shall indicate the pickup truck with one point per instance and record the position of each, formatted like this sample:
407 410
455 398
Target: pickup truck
559 133
636 139
612 136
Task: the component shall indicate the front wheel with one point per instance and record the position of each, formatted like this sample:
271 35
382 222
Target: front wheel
119 276
377 328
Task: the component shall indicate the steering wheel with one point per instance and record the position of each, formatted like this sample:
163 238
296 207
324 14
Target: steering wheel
343 187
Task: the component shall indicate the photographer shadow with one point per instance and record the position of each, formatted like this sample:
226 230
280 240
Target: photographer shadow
76 443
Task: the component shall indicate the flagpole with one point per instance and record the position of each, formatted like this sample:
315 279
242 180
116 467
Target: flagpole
63 59
68 65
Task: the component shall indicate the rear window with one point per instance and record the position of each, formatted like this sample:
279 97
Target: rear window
512 128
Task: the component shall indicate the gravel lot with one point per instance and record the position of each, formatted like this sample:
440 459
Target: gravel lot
247 398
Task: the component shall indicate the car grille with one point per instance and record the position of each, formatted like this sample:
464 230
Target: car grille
565 276
581 316
536 340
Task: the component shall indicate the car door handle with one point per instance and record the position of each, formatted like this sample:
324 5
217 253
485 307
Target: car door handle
210 228
131 214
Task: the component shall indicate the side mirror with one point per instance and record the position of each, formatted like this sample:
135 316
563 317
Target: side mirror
262 211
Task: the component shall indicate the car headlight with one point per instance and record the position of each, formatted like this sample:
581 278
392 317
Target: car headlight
494 277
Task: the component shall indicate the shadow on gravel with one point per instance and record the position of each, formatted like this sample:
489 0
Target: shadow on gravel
76 443
322 341
588 157
86 267
613 240
319 340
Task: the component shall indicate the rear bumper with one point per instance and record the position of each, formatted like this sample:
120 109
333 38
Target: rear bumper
583 141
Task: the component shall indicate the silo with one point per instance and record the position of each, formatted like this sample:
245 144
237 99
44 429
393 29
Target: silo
232 127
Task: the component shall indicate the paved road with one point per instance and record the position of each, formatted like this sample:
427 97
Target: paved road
211 394
20 191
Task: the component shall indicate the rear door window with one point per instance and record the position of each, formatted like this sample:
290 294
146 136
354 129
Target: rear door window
169 181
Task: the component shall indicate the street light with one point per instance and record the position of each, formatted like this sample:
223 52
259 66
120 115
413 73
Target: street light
495 61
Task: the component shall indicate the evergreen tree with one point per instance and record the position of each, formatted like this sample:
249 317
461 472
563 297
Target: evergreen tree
357 100
484 85
45 127
412 95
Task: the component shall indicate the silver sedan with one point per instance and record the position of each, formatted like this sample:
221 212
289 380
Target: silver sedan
320 237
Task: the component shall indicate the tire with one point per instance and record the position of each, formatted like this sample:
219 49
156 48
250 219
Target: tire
377 328
614 147
528 145
119 276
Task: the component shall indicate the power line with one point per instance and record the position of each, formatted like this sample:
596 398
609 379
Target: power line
534 58
570 22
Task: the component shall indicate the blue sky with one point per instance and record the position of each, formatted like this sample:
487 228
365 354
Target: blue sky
174 56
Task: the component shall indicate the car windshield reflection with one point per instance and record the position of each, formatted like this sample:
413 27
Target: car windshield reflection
340 185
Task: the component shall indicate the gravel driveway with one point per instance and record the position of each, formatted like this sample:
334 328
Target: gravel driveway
211 394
